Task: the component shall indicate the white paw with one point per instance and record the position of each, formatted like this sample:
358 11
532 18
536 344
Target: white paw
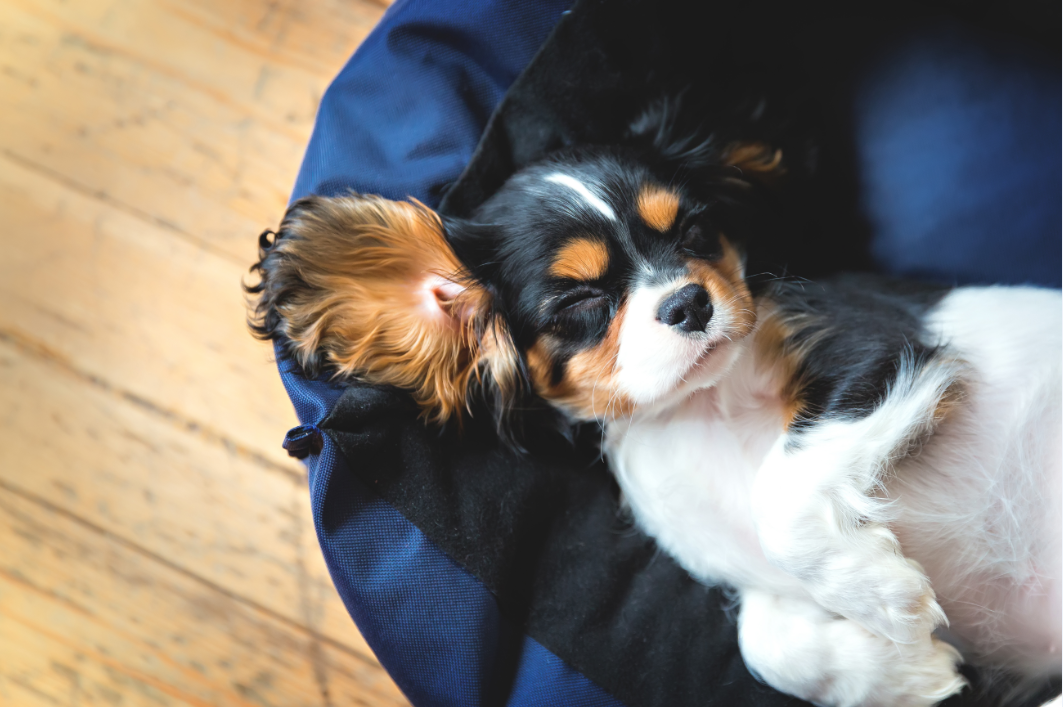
925 675
799 649
891 597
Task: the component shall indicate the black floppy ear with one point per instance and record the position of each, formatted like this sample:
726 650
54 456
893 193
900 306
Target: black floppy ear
689 139
669 130
724 153
475 245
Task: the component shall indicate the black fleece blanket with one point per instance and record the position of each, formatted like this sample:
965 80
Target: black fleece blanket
543 530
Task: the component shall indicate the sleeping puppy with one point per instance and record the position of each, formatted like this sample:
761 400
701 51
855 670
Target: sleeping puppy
866 462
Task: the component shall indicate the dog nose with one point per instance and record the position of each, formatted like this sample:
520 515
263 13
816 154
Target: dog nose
689 309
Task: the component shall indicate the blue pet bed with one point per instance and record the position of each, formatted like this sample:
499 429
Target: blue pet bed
484 577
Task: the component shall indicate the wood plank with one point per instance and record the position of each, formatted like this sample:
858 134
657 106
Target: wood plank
193 114
155 317
116 623
199 506
157 542
39 667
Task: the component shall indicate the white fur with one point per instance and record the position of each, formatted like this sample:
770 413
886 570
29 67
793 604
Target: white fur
653 358
656 363
818 520
588 196
800 648
980 508
842 519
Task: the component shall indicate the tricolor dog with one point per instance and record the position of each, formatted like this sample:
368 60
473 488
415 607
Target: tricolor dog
868 463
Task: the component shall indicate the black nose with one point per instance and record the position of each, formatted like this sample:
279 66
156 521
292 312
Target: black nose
688 309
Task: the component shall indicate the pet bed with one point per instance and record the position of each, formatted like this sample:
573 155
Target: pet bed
483 576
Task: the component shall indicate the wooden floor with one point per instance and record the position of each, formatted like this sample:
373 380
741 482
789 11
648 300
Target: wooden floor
156 545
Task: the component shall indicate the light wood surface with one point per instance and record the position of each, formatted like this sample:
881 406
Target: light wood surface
156 545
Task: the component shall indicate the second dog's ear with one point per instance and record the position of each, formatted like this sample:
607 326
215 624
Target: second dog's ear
369 288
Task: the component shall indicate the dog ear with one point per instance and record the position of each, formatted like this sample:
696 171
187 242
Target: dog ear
755 159
369 289
691 136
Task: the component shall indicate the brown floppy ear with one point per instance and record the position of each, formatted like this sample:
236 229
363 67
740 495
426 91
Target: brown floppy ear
369 289
756 160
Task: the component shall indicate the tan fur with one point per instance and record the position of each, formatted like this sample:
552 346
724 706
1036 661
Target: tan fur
587 388
955 397
585 259
724 281
772 345
782 344
363 303
755 159
658 207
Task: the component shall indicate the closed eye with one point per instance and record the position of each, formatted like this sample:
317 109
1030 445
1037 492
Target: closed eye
580 300
581 314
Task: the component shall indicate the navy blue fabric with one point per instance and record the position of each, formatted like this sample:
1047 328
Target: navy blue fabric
434 627
406 112
403 118
958 141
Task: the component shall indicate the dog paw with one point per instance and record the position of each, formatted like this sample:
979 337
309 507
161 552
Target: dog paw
892 599
917 675
926 675
907 607
799 648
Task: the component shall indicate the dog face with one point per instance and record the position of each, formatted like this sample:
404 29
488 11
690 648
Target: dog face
593 278
619 287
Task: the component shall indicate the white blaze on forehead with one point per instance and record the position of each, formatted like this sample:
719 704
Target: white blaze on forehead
592 199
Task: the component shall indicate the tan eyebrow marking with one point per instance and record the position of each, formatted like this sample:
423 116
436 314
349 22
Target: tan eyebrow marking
658 207
587 387
581 259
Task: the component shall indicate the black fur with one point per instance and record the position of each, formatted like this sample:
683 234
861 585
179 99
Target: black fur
277 285
858 327
509 241
540 530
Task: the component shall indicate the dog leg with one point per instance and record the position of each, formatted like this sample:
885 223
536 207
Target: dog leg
799 648
818 520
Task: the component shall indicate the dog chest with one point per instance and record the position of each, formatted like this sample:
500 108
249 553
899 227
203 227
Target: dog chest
687 474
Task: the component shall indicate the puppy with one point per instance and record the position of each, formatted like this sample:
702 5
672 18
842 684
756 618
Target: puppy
866 462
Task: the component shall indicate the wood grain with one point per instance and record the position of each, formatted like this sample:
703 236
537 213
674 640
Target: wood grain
124 301
121 621
157 544
192 114
199 507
